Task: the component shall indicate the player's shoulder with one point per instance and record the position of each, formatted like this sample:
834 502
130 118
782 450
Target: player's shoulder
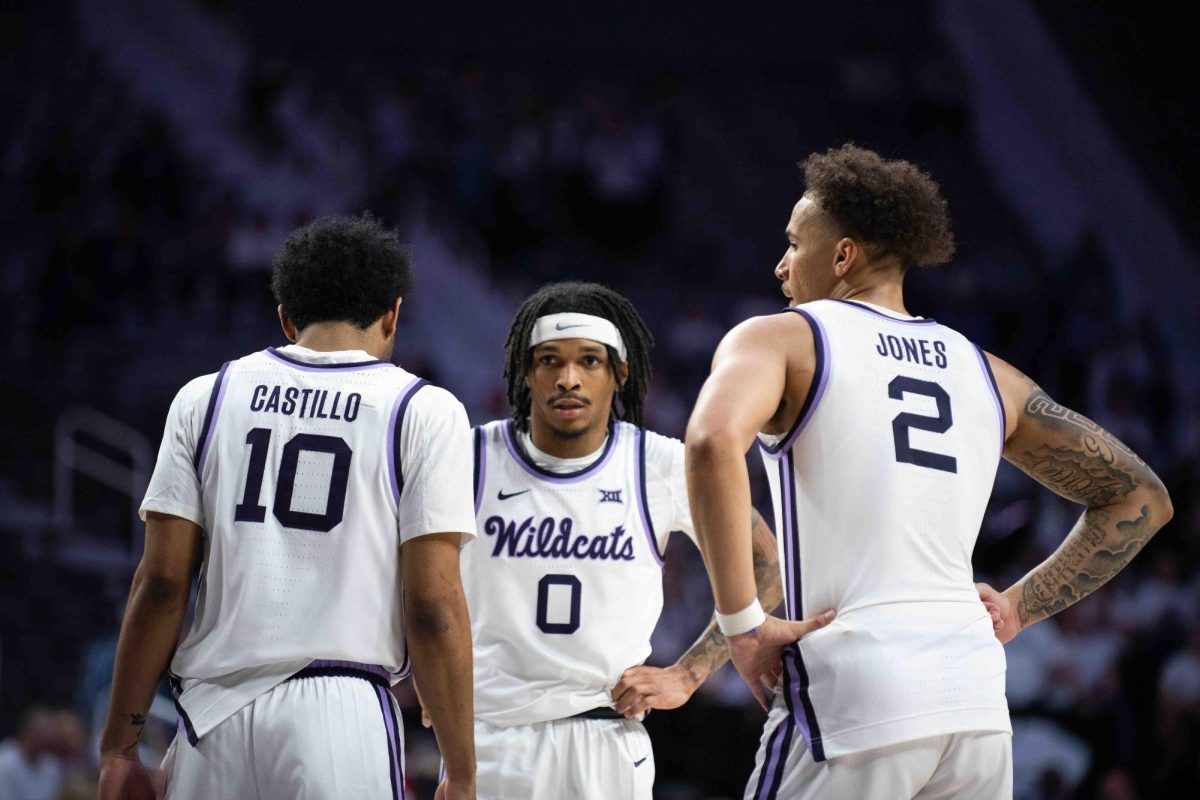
664 453
790 324
197 391
428 399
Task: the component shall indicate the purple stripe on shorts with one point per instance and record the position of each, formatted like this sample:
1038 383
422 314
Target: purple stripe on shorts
389 722
551 477
987 370
395 425
305 366
816 389
776 755
639 471
210 417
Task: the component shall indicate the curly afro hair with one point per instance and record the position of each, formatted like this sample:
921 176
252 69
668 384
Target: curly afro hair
890 204
584 298
338 268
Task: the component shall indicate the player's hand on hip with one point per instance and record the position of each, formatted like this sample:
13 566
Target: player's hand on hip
757 654
642 688
1004 615
454 790
124 779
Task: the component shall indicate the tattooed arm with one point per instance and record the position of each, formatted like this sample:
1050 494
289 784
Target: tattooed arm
1077 459
642 687
154 615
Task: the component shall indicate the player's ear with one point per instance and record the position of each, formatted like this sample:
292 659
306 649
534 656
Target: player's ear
622 373
391 318
289 327
846 255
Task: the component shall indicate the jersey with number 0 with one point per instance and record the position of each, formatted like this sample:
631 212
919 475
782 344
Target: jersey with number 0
879 490
307 471
564 579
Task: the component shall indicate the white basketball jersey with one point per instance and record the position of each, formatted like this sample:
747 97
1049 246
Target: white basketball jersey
564 580
295 464
879 490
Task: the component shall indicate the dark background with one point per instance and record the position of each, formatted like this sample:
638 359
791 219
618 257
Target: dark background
154 157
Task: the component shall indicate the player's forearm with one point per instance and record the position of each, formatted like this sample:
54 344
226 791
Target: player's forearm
438 633
149 634
1082 462
719 496
711 650
1102 542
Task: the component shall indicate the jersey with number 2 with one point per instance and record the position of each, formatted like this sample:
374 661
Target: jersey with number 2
879 491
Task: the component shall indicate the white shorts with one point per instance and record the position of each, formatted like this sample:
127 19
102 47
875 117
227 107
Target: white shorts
956 765
323 735
564 759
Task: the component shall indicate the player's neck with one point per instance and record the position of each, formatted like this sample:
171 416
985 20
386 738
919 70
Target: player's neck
328 337
889 295
545 439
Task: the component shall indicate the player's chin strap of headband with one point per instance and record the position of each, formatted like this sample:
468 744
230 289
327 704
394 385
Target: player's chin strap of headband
572 325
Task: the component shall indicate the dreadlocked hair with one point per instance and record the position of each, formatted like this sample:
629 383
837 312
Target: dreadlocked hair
582 298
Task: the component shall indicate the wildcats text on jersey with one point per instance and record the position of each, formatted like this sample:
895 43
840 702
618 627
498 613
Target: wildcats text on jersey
555 538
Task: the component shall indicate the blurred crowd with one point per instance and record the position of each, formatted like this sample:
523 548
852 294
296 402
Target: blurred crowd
136 255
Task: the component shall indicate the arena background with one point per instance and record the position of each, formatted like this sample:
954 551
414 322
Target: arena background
154 157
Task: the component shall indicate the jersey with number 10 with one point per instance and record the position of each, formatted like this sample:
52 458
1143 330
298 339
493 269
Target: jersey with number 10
307 471
879 491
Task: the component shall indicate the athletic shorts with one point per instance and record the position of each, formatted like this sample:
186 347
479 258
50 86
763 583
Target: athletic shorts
328 733
976 765
564 759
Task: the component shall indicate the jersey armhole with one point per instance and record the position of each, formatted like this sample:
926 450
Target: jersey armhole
480 467
395 435
210 418
644 498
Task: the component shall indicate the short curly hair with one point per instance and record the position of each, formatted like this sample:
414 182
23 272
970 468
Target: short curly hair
890 204
340 268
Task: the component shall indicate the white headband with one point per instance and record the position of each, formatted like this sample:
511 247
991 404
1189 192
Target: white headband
570 325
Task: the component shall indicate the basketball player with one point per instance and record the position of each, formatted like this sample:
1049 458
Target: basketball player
575 501
881 434
329 491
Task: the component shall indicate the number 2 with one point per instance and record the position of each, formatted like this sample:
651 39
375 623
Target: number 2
905 453
249 510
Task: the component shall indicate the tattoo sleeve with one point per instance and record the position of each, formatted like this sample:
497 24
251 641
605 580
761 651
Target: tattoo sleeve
710 652
1079 460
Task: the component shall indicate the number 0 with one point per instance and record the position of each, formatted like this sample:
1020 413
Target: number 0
543 603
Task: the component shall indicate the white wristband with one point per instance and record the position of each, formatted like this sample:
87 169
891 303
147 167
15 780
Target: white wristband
742 621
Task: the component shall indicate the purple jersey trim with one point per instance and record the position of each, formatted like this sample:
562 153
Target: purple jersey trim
987 370
510 442
184 720
306 366
639 471
816 389
215 397
886 316
480 467
395 428
796 681
778 747
396 770
799 704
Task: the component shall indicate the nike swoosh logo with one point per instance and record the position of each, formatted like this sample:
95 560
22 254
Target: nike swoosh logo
638 763
558 326
500 495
